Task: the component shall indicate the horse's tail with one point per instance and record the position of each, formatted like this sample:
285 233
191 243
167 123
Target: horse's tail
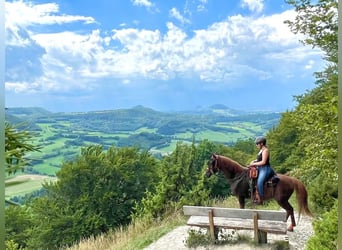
302 198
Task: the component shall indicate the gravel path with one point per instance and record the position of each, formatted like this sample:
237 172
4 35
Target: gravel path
175 240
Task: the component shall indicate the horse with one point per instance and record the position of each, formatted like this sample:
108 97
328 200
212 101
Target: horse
237 176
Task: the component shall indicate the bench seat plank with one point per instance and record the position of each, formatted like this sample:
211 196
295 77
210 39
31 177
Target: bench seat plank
275 227
236 213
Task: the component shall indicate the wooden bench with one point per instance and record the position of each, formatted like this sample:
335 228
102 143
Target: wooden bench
260 221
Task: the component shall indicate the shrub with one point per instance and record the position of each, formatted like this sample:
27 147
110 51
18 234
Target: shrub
325 237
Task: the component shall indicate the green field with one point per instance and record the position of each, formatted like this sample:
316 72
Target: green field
63 135
24 184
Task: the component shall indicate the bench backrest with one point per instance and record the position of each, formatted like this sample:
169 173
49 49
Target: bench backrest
235 213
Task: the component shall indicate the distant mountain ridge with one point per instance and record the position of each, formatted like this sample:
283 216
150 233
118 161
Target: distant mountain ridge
219 109
139 116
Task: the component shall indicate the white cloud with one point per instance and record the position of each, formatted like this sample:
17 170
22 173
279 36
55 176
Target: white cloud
309 64
22 15
201 5
25 14
145 3
176 14
18 86
225 51
253 5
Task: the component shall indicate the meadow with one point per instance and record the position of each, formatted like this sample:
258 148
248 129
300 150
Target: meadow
23 184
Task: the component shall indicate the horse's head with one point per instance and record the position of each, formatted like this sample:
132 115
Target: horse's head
212 166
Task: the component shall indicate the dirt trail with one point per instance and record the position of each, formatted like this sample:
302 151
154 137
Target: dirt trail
175 240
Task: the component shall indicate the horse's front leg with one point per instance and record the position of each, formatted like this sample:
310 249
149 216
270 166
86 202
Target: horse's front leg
242 202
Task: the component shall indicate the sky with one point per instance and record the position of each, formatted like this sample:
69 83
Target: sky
86 55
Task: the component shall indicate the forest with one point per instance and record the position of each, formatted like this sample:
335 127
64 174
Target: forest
104 188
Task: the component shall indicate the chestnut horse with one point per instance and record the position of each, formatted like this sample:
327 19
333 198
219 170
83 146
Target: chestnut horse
282 192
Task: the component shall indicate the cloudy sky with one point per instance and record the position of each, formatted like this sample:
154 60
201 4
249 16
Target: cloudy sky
70 55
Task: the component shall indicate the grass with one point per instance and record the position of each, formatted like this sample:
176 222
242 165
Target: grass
137 235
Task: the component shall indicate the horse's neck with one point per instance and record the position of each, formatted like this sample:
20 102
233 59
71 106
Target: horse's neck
232 167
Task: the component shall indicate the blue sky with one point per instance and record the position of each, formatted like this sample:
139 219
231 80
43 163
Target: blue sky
90 55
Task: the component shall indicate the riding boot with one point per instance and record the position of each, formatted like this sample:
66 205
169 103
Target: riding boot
258 199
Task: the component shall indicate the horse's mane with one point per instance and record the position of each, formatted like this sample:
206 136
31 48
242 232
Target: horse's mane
236 165
238 180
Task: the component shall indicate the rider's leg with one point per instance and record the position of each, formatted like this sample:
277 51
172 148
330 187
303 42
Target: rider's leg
264 172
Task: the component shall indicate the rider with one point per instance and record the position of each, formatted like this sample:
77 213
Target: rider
263 164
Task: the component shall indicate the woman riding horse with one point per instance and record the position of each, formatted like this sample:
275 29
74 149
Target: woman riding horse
237 176
262 163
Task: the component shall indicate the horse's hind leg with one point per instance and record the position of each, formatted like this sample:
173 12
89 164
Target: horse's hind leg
289 213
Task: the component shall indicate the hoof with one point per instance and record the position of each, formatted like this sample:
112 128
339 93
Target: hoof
290 228
258 202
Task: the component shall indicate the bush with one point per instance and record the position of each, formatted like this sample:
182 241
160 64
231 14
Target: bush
325 237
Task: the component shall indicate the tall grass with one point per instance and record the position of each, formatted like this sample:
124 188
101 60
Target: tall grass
137 235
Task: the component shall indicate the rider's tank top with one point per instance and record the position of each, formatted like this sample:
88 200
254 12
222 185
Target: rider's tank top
259 158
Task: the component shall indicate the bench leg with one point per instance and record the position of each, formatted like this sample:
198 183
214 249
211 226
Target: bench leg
212 229
261 237
211 225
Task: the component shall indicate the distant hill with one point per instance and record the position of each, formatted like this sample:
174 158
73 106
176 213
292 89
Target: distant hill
29 111
62 135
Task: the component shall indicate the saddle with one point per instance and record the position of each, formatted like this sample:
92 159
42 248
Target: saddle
271 181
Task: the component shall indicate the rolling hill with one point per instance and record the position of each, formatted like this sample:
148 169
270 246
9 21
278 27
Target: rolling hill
62 135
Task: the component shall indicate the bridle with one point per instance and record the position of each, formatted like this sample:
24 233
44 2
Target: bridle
212 168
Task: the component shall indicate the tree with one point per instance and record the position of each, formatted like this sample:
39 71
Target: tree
283 141
17 144
316 116
18 225
181 174
318 21
94 194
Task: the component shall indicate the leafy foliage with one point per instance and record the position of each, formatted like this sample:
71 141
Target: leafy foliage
144 140
325 237
316 116
180 173
18 224
283 140
17 145
318 21
93 194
